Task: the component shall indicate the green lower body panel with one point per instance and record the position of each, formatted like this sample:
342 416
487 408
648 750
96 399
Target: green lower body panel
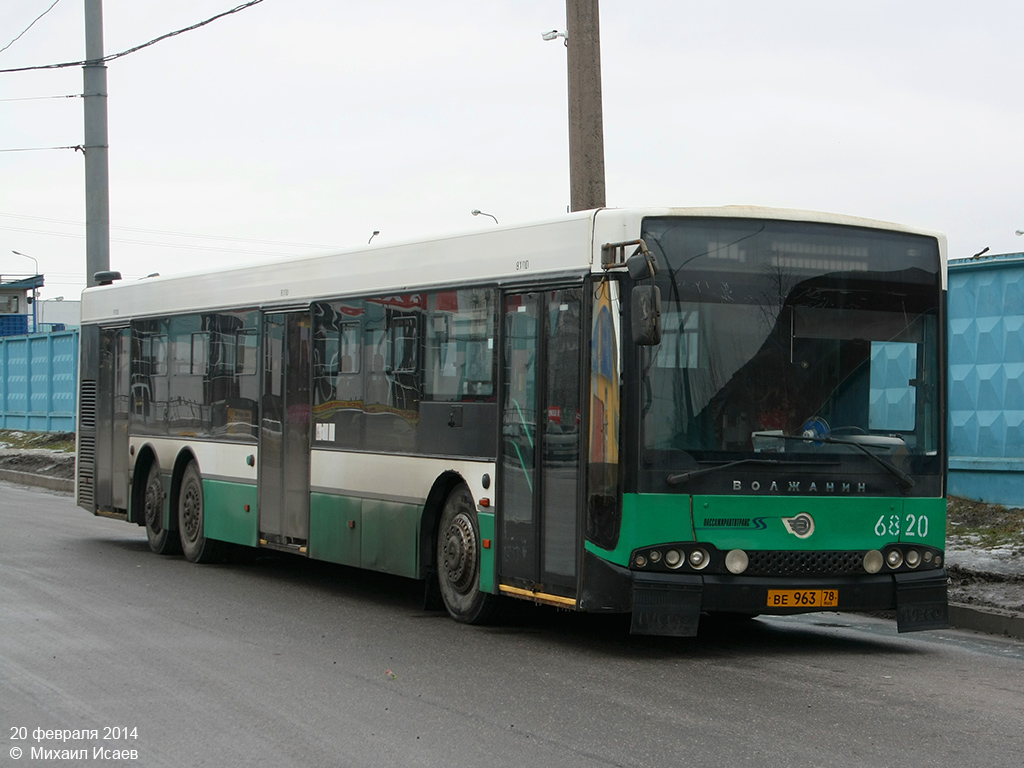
648 518
229 512
817 522
335 529
776 522
486 521
365 533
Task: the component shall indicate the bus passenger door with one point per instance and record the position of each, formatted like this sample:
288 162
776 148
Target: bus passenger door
540 454
113 388
284 432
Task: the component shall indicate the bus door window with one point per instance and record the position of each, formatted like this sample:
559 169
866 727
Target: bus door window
541 440
604 491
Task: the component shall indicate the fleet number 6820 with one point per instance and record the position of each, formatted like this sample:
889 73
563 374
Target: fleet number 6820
916 526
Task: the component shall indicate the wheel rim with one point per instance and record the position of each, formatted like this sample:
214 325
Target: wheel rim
192 511
460 552
152 507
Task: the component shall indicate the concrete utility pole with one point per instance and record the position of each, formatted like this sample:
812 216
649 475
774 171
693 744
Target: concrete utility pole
97 180
586 120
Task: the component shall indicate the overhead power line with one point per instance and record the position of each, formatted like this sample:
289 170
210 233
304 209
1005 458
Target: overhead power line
284 243
37 18
154 41
39 149
44 98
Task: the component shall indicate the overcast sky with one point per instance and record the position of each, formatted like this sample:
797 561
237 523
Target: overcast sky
298 125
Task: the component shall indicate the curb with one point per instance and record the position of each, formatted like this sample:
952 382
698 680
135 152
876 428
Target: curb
991 621
39 481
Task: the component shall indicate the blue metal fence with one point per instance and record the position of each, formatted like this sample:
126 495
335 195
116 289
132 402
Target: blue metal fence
986 379
39 381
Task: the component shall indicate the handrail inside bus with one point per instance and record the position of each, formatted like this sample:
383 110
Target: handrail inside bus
529 437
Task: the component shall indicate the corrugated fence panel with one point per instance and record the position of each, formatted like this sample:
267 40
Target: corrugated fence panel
986 379
15 414
64 384
38 381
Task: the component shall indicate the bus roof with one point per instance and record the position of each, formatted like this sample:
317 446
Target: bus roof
568 245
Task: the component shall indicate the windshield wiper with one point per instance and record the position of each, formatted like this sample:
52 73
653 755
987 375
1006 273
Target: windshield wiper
683 477
906 481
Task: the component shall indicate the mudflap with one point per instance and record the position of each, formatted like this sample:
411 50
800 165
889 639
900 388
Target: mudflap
604 588
432 600
666 604
921 601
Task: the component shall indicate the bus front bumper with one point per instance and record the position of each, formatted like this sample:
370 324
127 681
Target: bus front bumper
671 604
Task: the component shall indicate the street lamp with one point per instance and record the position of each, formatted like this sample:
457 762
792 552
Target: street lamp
34 260
36 263
1019 232
554 34
478 212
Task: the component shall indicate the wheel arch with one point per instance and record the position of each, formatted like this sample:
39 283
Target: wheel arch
140 474
431 519
182 460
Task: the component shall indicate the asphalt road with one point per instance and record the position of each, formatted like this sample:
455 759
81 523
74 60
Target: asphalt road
276 661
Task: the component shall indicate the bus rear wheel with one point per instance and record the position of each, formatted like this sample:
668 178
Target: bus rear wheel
161 540
458 560
191 518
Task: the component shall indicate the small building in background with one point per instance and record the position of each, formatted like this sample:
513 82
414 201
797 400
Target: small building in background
58 315
23 312
986 378
16 305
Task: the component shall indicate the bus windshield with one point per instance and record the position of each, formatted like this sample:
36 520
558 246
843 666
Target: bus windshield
774 329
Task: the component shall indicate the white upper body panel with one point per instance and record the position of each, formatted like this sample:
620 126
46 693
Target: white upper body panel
570 244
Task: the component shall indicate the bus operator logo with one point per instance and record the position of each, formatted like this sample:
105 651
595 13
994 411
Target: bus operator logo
801 526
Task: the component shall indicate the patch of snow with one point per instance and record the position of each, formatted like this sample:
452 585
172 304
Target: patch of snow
1004 561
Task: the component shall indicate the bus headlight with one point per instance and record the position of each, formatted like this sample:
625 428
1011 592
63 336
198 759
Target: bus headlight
673 559
873 561
894 559
699 559
913 558
737 561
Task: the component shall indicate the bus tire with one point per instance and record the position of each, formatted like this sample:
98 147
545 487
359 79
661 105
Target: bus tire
161 540
191 514
458 560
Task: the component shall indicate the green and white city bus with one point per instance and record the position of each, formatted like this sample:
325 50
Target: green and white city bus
660 412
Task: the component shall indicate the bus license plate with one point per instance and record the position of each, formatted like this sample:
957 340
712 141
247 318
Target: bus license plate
803 598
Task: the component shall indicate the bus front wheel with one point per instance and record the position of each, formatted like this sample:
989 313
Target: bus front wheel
161 540
458 560
191 514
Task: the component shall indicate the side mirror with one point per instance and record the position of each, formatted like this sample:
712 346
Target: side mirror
645 315
642 265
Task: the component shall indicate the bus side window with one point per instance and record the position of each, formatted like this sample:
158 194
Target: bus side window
458 412
461 329
149 377
338 372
